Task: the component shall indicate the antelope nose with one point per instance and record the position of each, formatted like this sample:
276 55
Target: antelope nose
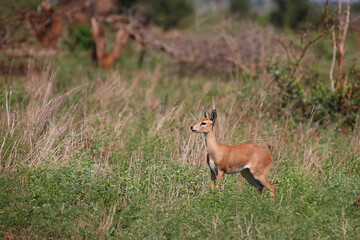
191 127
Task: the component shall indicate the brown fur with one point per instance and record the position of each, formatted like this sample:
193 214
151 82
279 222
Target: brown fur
228 158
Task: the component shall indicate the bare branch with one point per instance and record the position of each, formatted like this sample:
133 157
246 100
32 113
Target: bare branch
331 72
282 44
342 31
325 15
347 20
99 54
302 55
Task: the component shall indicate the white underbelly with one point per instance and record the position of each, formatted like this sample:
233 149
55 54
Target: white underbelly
236 170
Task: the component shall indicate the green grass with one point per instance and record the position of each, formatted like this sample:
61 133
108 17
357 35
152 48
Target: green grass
143 173
167 200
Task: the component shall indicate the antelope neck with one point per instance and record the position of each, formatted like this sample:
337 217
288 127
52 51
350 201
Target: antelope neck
211 144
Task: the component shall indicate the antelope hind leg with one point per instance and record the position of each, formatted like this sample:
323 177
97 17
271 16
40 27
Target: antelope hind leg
252 180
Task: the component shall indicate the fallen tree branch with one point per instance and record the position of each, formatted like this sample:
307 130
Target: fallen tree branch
100 55
220 53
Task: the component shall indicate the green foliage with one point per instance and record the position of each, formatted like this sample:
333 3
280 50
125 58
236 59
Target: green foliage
170 14
241 7
355 7
289 13
291 91
9 6
126 3
263 19
313 99
80 37
314 18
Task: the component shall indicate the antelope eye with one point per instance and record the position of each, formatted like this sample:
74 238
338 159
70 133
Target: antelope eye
203 124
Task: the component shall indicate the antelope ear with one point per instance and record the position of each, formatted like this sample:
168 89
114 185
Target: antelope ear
206 113
213 116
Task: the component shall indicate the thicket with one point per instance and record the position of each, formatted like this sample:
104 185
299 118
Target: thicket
289 13
240 7
79 37
126 3
170 14
165 13
310 97
323 99
285 14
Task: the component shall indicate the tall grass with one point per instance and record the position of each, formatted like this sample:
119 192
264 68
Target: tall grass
110 155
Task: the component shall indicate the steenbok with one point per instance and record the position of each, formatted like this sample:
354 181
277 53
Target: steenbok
252 161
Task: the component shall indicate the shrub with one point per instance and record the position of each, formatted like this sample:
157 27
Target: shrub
169 14
240 7
126 3
22 4
289 13
311 98
355 7
80 37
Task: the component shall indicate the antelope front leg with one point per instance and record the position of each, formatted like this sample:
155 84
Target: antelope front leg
213 178
219 177
213 171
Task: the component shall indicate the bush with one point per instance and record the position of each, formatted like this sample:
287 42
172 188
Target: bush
355 7
169 14
240 7
311 98
289 13
80 37
126 3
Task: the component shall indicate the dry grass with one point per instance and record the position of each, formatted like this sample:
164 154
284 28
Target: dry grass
132 129
48 128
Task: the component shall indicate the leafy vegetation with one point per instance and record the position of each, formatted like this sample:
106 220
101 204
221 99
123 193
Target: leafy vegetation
80 37
310 98
242 7
170 14
289 13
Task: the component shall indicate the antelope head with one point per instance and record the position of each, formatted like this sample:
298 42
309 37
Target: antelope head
207 124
